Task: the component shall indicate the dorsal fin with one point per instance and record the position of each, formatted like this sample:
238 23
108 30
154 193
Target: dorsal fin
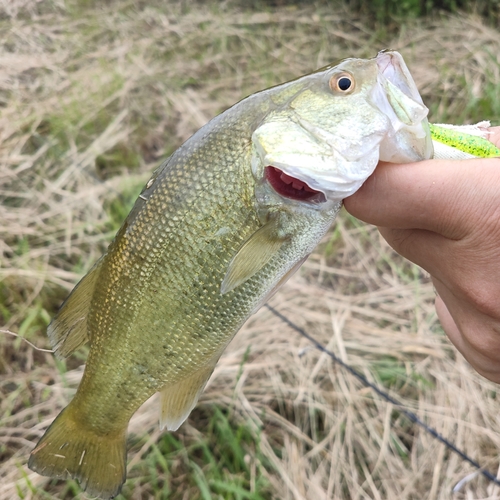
68 330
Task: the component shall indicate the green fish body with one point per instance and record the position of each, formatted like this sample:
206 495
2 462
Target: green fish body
218 228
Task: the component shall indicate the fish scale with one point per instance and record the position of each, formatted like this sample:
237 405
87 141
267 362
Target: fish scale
180 299
210 238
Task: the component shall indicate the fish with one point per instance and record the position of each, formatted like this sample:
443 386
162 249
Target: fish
218 228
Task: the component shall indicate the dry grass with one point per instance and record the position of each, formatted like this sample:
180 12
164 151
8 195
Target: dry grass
90 100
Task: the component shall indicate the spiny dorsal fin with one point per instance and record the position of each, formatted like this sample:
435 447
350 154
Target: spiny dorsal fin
255 253
68 330
177 401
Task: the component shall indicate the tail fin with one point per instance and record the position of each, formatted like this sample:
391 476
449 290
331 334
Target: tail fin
69 450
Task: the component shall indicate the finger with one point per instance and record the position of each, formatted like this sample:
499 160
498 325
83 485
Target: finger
424 248
432 252
436 195
474 335
473 275
494 136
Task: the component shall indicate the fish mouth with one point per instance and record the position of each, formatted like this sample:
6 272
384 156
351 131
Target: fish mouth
400 92
393 67
291 187
397 96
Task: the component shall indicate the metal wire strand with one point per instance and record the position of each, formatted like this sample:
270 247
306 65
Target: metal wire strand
410 415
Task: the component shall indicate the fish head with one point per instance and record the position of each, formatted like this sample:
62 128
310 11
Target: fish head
328 130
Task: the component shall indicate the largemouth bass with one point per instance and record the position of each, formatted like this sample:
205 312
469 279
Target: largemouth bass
218 228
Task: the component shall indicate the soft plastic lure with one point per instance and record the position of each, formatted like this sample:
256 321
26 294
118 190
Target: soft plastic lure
470 141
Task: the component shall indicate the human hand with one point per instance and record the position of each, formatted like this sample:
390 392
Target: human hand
444 215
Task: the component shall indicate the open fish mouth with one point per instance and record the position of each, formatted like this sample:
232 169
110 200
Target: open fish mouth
291 187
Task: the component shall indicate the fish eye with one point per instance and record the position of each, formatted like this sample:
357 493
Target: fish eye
343 82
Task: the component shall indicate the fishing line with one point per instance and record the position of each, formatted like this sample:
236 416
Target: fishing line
410 415
8 332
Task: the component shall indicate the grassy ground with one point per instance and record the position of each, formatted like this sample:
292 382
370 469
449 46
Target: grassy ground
91 99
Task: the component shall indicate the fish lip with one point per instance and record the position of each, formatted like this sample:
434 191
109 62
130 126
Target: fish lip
397 96
393 67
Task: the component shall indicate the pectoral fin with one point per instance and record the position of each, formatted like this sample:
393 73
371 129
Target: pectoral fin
68 330
280 283
177 401
255 253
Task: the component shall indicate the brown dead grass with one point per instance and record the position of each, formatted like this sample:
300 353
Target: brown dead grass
90 101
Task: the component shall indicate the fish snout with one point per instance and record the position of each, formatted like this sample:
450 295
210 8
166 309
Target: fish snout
396 96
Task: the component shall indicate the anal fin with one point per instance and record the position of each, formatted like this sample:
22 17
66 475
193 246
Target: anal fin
68 330
177 400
